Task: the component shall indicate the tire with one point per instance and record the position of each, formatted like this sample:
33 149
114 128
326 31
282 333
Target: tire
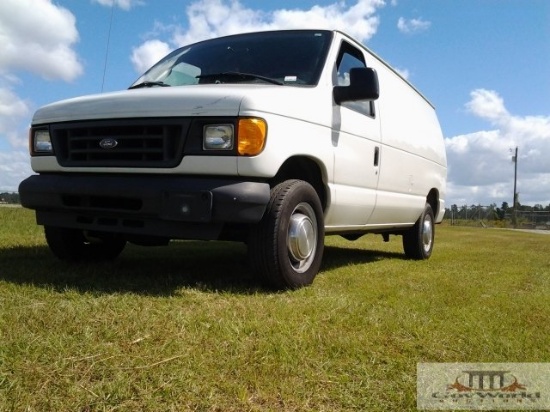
286 246
418 241
73 245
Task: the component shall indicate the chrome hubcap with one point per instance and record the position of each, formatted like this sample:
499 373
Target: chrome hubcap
427 234
302 237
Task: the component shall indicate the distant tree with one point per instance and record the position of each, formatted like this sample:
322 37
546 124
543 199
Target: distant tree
12 198
525 208
464 212
501 212
492 212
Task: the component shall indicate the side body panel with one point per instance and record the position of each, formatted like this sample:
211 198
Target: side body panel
412 154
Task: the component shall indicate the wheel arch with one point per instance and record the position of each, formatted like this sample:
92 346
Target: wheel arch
307 169
433 200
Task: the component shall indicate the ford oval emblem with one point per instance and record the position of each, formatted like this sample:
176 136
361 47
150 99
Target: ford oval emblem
108 143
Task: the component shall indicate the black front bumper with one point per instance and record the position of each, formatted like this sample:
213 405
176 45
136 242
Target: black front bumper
164 205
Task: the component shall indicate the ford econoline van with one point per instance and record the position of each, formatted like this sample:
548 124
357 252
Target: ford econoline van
274 138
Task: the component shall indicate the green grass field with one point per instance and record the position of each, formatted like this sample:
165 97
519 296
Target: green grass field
186 327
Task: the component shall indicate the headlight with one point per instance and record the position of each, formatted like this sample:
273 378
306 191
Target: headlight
41 141
252 135
218 137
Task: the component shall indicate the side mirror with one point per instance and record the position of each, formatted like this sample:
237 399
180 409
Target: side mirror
363 86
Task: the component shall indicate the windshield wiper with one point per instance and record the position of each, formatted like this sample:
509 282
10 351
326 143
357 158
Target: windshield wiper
243 76
148 84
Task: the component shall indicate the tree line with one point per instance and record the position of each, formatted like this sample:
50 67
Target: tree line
9 198
492 212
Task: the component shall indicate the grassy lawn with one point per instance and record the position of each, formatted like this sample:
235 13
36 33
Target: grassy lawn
186 327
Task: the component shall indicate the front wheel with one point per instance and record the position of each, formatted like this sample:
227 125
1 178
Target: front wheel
286 247
73 245
418 241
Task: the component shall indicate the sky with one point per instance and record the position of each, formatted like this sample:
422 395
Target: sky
484 64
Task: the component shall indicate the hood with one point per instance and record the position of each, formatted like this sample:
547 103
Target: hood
200 100
148 102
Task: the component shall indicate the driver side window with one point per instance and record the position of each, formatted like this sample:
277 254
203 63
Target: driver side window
348 58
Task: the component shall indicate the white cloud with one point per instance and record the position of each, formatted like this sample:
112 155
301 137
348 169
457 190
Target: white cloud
123 4
38 36
14 167
13 111
413 25
213 18
35 36
480 163
148 54
14 158
403 72
488 105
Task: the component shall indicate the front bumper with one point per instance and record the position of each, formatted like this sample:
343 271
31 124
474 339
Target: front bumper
165 206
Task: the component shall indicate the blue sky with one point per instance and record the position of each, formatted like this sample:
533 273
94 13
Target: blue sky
484 64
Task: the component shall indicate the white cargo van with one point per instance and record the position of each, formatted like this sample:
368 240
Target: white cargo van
273 138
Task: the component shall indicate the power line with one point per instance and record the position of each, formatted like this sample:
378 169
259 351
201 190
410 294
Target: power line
107 48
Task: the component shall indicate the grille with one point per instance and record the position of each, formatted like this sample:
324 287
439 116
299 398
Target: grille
131 143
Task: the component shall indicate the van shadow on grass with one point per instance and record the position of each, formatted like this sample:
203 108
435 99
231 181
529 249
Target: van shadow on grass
336 257
158 271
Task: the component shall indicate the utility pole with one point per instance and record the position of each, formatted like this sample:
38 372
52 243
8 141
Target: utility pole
514 212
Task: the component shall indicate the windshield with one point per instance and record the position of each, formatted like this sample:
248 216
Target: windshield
282 57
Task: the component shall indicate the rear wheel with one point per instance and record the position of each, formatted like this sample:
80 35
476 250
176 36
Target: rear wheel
418 241
286 247
74 245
